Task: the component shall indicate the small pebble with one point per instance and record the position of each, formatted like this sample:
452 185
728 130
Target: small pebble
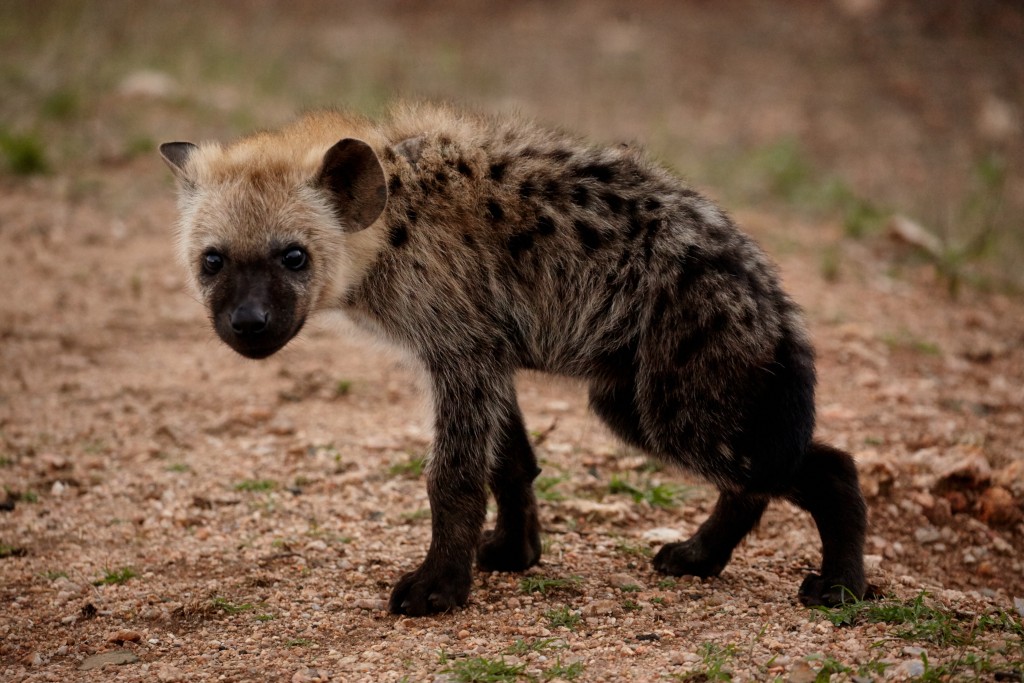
124 636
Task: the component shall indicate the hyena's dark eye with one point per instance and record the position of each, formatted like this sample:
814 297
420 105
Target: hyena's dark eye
212 262
295 259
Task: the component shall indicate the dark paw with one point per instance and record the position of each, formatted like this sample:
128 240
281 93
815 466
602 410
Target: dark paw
688 558
502 553
428 591
816 591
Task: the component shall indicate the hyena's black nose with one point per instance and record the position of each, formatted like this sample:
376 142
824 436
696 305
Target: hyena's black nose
249 319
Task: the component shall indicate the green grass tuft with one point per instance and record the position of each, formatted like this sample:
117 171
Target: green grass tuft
117 577
8 550
521 647
483 670
545 488
716 659
228 607
655 495
543 584
917 620
23 154
906 340
60 105
256 485
565 673
140 146
411 468
634 550
563 616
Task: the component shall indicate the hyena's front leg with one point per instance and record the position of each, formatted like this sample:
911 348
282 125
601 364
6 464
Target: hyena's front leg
467 415
514 543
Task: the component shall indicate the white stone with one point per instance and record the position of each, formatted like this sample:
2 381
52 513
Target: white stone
662 535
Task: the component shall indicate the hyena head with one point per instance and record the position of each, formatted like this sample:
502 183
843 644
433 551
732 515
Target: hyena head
266 226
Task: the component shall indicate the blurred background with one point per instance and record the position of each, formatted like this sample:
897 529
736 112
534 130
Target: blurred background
844 113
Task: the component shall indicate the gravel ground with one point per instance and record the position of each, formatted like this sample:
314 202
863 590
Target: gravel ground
262 510
172 512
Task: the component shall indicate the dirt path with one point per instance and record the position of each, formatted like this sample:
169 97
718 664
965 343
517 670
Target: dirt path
196 516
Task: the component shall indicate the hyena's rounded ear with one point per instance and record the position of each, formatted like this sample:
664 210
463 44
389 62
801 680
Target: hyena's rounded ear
175 155
353 177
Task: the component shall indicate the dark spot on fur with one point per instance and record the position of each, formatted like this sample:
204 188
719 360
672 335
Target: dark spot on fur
658 310
552 190
693 267
652 204
418 266
495 210
559 154
394 185
411 215
580 196
732 263
441 178
444 140
464 168
717 233
545 226
624 259
689 346
589 237
634 220
602 173
650 233
398 235
719 321
527 190
519 243
497 171
389 154
613 201
468 239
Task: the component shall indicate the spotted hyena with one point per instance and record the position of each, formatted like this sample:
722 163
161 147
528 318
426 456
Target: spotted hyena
481 246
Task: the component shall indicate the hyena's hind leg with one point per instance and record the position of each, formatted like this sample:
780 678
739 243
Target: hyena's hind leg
828 488
514 543
735 514
708 551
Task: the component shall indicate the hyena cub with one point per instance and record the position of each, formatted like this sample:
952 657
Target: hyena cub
482 246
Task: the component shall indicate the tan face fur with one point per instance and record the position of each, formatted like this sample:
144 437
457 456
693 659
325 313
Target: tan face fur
274 227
